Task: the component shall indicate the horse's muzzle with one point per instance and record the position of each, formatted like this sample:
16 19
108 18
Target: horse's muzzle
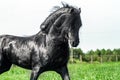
74 43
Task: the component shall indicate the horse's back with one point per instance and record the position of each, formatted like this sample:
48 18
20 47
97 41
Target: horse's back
16 50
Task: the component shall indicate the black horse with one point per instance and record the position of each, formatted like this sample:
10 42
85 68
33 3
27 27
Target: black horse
48 50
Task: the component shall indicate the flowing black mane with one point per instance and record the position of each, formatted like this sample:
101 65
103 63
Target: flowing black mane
64 5
57 11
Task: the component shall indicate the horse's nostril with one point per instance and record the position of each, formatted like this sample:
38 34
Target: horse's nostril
74 43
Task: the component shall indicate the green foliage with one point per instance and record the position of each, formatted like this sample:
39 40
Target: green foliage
97 55
76 53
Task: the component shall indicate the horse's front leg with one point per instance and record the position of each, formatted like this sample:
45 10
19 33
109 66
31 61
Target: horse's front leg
64 73
35 73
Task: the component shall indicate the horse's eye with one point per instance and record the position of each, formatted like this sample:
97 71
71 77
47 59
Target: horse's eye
58 25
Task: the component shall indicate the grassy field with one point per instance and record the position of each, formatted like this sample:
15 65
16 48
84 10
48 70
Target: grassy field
83 71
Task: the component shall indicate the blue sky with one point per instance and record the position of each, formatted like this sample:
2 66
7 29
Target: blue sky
101 20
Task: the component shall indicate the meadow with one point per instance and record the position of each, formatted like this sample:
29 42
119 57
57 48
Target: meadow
78 71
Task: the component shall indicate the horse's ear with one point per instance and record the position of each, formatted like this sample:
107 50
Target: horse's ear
79 10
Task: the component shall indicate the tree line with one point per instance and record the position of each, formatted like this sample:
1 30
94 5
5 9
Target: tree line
99 55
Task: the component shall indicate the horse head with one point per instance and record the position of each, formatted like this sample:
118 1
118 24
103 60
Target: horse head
75 25
65 21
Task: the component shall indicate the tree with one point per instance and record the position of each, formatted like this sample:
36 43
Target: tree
103 51
91 52
98 52
108 52
77 53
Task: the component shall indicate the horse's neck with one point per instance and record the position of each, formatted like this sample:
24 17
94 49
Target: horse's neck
40 38
55 40
47 40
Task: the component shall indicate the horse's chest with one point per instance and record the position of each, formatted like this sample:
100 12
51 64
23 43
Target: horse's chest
58 52
60 58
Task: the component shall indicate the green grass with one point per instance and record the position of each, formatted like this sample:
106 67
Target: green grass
79 71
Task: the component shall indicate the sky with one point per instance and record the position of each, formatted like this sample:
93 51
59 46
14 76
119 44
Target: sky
100 19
